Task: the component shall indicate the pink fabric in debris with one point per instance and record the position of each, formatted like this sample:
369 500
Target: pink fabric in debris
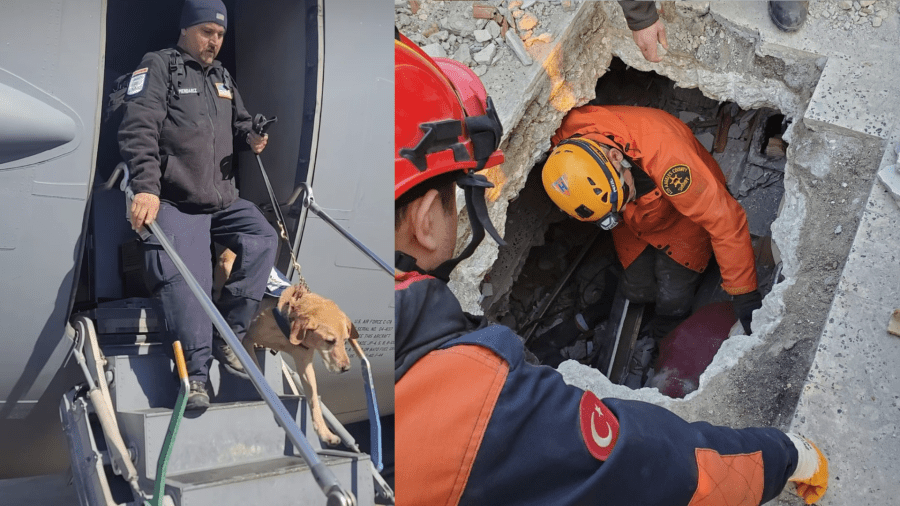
686 352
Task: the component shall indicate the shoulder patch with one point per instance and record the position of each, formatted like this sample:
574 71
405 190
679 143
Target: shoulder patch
676 180
599 426
136 84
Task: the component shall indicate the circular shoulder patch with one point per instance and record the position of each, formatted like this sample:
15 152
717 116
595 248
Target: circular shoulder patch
676 180
599 426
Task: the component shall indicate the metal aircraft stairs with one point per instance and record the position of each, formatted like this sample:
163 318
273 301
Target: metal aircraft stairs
234 452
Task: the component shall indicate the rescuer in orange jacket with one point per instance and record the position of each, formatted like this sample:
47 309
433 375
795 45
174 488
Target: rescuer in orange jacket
641 173
475 423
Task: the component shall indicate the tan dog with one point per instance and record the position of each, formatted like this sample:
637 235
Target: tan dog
316 324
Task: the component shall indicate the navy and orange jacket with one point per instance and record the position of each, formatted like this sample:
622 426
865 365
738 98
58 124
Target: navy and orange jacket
690 214
476 424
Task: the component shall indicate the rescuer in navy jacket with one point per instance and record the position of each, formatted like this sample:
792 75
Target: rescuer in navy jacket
183 114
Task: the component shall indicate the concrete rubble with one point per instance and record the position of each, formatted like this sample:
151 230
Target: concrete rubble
820 360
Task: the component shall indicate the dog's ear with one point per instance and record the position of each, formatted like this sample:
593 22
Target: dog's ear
353 333
298 331
297 294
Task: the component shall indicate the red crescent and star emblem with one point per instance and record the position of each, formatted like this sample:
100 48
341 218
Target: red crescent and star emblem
599 426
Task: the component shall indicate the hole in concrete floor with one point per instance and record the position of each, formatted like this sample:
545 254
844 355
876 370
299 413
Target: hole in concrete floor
565 302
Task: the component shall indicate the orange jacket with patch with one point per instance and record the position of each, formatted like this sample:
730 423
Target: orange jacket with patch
690 214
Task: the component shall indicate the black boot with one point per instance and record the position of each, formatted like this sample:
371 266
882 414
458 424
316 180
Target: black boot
225 355
788 16
197 396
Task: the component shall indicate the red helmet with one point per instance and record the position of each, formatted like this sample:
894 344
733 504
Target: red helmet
443 119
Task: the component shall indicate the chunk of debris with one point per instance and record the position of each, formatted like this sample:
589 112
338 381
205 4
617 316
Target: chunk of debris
894 323
483 11
485 55
838 230
435 50
707 139
544 37
775 147
464 54
515 4
494 28
482 35
414 6
518 48
528 22
890 178
431 30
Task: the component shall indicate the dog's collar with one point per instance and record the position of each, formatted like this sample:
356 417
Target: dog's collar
284 326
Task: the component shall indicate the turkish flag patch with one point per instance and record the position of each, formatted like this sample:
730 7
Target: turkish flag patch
599 427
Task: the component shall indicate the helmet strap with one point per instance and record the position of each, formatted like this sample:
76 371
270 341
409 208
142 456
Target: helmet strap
406 263
473 186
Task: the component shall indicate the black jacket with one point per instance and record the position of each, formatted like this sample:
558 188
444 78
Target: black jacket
180 148
639 15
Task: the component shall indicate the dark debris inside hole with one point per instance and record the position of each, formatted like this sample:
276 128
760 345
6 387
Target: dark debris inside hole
565 302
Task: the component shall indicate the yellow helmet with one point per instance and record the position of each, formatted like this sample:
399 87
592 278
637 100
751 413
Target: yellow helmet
581 180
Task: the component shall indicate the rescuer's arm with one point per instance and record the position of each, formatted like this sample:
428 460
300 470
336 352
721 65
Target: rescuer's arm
697 463
145 110
647 29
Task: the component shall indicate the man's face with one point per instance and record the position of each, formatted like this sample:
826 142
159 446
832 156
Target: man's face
203 41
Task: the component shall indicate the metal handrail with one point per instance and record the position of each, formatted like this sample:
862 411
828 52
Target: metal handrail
310 203
326 480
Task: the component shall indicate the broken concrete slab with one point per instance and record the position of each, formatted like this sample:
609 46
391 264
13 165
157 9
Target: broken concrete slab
849 402
853 96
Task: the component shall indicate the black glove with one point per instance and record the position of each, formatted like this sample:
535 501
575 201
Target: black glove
744 305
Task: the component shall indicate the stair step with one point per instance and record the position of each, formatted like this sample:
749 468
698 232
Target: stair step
223 435
272 482
131 366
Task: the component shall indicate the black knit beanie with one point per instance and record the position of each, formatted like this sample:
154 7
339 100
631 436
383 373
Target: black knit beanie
195 12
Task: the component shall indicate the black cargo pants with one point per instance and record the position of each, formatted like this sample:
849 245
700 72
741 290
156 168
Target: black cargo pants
242 228
655 277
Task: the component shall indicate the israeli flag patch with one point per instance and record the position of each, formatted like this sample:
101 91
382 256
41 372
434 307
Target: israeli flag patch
136 84
223 91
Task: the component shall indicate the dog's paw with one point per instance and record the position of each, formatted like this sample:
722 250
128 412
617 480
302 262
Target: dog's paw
330 439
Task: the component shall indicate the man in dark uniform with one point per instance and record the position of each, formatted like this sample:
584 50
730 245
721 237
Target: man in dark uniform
475 423
182 115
